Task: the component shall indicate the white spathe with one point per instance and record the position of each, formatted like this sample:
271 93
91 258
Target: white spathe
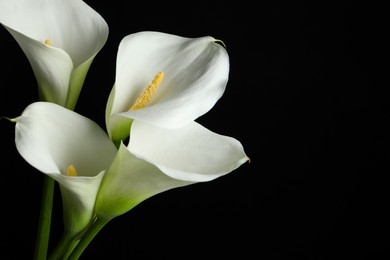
190 153
196 72
159 159
76 34
50 138
167 148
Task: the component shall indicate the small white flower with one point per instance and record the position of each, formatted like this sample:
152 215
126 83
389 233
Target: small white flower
60 39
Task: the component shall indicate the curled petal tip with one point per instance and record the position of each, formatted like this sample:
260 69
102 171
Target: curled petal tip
220 42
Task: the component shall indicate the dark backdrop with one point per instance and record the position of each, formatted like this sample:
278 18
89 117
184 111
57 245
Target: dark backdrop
302 98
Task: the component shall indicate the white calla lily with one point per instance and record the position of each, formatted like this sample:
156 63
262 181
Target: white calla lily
192 74
60 39
167 148
158 159
71 149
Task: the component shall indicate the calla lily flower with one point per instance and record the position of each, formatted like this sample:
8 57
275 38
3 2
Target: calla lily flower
71 149
166 80
163 83
158 159
60 39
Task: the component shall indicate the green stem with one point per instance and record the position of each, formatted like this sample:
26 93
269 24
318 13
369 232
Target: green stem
42 241
65 244
87 238
70 249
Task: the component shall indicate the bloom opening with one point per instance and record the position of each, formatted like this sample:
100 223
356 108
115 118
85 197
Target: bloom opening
148 92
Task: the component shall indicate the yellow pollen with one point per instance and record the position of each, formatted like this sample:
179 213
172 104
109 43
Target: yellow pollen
47 42
71 171
148 92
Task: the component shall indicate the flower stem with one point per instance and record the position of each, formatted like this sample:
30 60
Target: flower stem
92 231
70 249
42 241
65 244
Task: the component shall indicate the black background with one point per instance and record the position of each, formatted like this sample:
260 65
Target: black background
303 99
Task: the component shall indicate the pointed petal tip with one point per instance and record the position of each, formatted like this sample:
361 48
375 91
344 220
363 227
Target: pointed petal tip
12 120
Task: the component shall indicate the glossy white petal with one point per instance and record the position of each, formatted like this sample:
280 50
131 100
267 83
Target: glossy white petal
52 68
190 153
76 33
50 138
195 76
128 182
